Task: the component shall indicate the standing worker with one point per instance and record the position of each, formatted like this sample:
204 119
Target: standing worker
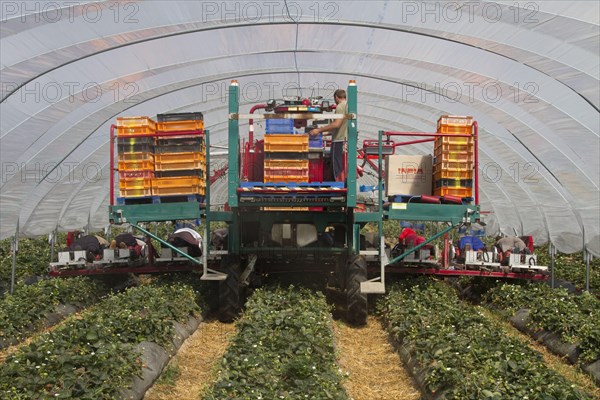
339 127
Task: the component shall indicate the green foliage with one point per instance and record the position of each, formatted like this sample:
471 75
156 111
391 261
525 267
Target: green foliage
283 349
32 259
575 318
23 311
93 356
463 353
571 267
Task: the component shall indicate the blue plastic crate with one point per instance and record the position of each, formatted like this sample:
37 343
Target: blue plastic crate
315 141
280 126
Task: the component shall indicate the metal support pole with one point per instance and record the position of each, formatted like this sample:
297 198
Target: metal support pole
15 249
587 256
52 243
352 140
552 251
234 144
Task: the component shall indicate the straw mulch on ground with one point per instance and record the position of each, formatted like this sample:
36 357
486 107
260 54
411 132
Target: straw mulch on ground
194 363
374 369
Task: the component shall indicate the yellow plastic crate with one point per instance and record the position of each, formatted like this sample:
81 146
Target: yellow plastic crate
286 143
179 161
178 186
135 192
176 126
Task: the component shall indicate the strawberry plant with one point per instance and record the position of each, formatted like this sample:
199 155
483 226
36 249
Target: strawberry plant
93 356
24 310
461 354
570 267
283 350
575 318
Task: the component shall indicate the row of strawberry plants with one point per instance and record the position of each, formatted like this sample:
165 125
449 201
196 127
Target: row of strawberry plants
572 268
32 306
576 319
283 349
455 352
96 356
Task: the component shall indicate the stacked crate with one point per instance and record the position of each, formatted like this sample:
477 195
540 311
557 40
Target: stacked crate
179 160
135 155
286 154
454 157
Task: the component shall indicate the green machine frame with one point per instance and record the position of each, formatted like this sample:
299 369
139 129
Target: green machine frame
343 213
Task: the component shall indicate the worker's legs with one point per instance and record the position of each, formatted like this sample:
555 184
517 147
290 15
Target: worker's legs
337 161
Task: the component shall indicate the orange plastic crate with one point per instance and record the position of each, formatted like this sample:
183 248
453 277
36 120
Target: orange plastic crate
135 183
176 126
285 164
136 157
453 147
123 131
454 191
136 174
178 185
135 187
457 156
286 143
452 174
173 161
456 130
136 165
445 165
453 140
455 120
135 121
285 178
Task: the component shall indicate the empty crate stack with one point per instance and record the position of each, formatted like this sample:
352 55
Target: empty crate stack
180 155
453 157
286 154
135 150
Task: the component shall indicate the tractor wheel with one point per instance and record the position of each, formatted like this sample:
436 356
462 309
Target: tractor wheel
356 301
229 290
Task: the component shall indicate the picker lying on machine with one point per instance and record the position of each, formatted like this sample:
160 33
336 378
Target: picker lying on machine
510 255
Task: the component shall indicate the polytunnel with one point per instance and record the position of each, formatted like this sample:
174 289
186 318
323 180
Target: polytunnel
528 73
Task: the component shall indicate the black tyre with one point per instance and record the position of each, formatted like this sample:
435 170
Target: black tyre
229 290
356 301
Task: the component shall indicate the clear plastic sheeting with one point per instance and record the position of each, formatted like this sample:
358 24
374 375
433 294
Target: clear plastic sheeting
527 72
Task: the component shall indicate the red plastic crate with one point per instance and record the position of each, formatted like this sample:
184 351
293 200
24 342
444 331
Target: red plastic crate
315 169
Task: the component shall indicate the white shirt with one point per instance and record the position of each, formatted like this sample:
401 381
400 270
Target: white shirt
192 232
